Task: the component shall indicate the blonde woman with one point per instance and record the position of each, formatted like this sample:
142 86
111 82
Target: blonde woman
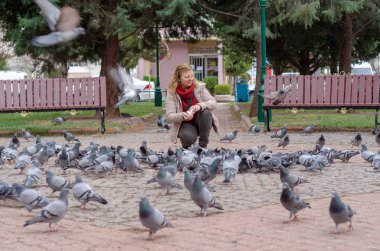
189 108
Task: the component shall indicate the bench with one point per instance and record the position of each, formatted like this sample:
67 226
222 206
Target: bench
56 94
325 92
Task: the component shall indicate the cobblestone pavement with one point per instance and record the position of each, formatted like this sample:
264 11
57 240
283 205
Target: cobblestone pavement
252 218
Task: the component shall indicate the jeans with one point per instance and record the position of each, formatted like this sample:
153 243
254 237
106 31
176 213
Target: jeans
190 130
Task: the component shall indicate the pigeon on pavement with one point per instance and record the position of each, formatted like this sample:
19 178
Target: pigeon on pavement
124 82
254 129
84 193
292 202
163 123
26 135
30 198
280 133
166 180
366 154
284 141
69 136
53 212
321 141
279 95
230 136
203 197
152 218
56 183
308 130
290 178
357 140
62 23
340 212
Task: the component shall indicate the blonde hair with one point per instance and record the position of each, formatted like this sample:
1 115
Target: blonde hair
179 70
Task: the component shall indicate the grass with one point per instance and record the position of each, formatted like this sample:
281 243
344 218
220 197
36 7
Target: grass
323 118
40 122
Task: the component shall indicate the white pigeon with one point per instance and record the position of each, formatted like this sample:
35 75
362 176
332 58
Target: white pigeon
62 23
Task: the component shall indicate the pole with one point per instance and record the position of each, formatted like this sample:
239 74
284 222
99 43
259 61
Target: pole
260 112
157 92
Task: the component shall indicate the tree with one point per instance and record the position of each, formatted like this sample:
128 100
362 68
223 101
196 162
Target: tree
108 24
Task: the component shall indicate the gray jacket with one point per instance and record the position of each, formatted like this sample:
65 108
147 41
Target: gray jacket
174 109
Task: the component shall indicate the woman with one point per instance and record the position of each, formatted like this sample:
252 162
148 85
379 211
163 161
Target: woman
189 108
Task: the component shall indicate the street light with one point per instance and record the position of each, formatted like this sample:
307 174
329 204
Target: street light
260 112
157 91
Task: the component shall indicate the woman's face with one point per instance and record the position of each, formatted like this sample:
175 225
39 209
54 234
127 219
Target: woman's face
186 79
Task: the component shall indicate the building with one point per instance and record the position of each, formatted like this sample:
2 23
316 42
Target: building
204 56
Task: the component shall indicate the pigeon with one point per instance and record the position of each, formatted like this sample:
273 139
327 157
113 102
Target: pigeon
59 120
30 198
230 166
340 212
378 138
53 212
62 23
22 162
152 218
345 155
15 143
290 178
230 136
203 197
84 193
188 179
26 135
166 180
366 154
163 123
56 183
279 95
284 141
357 140
63 159
308 130
280 133
292 202
321 141
129 163
254 129
7 191
33 174
43 156
69 136
124 83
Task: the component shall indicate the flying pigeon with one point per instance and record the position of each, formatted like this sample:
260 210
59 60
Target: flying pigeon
230 136
292 202
62 23
279 95
84 193
125 85
163 123
53 212
340 212
152 218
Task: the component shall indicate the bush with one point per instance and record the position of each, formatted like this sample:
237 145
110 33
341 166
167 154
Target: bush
211 82
222 89
153 79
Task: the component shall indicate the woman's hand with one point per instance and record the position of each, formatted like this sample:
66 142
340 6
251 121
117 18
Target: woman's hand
187 115
195 108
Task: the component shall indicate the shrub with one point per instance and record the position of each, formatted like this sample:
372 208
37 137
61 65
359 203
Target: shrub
222 89
211 82
146 78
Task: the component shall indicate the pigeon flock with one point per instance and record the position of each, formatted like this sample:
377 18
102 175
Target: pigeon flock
200 168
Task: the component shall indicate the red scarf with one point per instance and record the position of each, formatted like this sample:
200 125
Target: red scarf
185 95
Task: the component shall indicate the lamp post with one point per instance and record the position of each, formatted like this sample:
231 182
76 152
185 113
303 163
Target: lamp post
260 112
157 91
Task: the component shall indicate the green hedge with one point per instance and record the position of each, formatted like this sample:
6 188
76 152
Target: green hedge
222 89
146 78
211 82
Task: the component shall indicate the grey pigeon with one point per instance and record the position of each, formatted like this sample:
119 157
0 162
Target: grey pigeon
33 174
59 120
63 159
345 155
377 139
279 95
209 171
7 191
84 193
292 202
152 218
53 212
254 129
290 178
308 130
188 179
163 123
56 183
15 142
22 161
124 82
357 140
366 154
340 212
69 136
230 166
321 141
280 133
43 156
30 198
62 23
230 136
26 135
203 197
129 163
284 141
166 180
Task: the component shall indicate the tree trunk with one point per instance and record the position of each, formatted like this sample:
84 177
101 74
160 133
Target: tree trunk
345 37
253 110
110 57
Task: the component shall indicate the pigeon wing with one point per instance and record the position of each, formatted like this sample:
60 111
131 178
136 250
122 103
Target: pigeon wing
68 20
50 12
270 96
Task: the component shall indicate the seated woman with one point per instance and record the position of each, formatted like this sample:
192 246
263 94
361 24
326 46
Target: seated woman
189 107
